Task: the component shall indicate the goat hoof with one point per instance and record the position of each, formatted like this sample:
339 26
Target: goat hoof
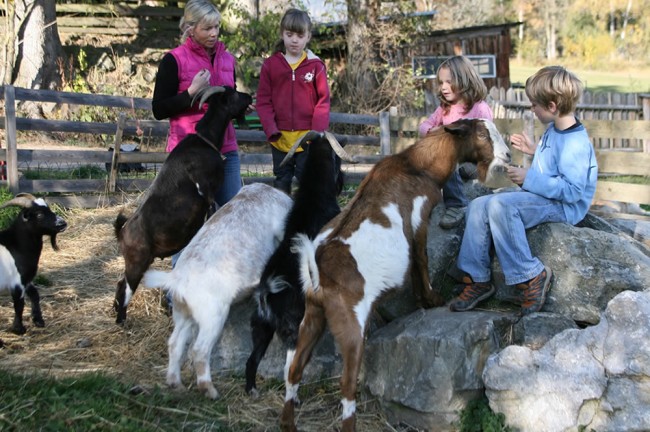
253 393
38 322
19 330
209 391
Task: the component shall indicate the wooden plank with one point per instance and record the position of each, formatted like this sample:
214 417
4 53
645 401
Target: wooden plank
77 186
118 9
629 163
139 31
82 98
63 156
127 25
117 143
624 192
618 128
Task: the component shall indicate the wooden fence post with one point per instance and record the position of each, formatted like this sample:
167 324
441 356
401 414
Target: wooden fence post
384 133
112 178
645 102
12 146
529 130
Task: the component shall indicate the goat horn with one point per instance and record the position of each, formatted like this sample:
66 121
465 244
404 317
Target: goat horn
338 149
306 137
21 200
206 92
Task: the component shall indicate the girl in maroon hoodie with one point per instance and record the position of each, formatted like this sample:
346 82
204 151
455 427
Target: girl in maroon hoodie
293 96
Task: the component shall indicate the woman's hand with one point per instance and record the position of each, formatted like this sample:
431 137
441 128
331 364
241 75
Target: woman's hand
522 143
200 81
517 174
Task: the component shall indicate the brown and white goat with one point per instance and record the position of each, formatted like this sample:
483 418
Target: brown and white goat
377 240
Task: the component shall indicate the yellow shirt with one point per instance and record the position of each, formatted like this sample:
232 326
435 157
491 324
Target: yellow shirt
288 138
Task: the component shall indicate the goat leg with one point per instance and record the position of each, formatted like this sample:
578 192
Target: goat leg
425 294
262 333
35 299
19 305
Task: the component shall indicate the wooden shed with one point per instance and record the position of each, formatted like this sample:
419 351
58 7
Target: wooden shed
490 46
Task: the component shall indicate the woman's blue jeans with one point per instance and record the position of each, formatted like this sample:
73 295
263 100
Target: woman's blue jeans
501 220
231 185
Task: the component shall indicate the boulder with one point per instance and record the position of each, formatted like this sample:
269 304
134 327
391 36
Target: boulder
592 379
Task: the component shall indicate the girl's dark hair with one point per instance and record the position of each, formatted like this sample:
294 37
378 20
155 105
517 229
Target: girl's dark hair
294 20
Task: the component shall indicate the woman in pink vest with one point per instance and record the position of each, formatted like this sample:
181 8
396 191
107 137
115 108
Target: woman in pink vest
200 61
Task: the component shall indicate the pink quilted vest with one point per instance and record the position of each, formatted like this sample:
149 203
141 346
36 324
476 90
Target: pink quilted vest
191 58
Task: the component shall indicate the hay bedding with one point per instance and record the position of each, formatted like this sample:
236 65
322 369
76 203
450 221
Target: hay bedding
80 334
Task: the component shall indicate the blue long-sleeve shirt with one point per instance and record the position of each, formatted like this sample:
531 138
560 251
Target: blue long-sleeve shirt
565 169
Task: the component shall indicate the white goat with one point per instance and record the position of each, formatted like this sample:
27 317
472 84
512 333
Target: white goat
220 266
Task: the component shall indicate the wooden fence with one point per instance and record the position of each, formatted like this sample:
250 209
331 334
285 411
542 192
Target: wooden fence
393 133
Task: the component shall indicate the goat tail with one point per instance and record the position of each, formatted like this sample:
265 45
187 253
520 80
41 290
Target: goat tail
119 223
307 267
157 279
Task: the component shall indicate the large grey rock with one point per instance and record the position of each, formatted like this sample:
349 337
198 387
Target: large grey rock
424 368
592 379
231 352
590 267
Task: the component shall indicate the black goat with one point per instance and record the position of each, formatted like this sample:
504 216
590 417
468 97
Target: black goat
281 302
179 198
20 250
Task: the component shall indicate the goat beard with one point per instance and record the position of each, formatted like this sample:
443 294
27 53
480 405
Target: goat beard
53 242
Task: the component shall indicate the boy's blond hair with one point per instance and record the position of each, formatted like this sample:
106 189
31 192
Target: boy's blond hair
555 84
196 11
465 80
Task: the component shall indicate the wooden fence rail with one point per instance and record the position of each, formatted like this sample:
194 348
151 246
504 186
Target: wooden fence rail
393 133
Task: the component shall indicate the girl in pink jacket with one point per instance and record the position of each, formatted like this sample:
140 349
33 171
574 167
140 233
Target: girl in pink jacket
462 94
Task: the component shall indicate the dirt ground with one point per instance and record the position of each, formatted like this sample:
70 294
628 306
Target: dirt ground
80 334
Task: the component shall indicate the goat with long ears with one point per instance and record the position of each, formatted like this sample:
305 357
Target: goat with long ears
375 243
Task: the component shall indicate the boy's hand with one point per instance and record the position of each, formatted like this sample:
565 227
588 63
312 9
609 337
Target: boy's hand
517 174
522 143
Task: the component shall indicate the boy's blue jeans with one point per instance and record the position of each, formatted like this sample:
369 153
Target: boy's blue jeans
501 220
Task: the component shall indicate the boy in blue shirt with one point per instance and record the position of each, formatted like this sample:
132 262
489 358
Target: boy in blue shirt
557 187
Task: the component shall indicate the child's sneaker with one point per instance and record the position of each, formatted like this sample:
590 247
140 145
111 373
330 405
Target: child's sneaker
534 291
473 293
452 217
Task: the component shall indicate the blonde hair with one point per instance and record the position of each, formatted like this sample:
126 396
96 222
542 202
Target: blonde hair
294 20
465 81
197 11
555 84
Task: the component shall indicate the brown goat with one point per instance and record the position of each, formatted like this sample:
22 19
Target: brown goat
375 242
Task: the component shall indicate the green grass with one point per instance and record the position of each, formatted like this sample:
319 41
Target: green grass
100 402
633 80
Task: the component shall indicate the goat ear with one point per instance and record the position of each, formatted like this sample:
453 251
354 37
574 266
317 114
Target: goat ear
459 127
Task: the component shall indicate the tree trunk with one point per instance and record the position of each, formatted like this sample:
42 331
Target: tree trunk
38 54
362 16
